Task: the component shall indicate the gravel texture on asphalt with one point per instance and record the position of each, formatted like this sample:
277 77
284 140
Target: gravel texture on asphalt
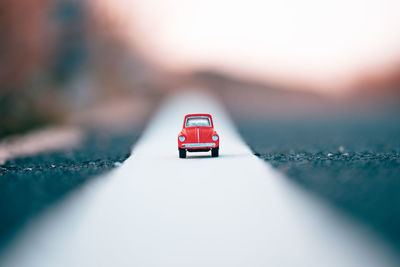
354 164
28 185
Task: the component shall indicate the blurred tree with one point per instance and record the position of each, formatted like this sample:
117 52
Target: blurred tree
24 43
62 55
70 47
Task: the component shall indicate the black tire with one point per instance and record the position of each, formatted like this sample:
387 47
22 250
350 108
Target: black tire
215 152
182 153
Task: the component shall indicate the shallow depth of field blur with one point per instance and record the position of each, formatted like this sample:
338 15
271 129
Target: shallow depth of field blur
313 87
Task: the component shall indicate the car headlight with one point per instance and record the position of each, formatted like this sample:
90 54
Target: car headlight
181 138
215 137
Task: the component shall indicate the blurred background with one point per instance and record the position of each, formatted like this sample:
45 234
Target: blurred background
60 57
313 86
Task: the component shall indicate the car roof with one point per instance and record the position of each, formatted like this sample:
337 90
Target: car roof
198 114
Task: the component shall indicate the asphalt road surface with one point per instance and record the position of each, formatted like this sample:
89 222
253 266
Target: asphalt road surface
159 210
31 184
352 162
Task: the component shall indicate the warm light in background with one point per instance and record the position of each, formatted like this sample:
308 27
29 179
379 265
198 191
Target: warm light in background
325 42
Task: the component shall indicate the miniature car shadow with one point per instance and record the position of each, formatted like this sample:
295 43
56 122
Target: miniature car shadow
220 156
199 157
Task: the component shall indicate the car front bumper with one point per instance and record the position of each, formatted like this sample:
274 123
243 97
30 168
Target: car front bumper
198 145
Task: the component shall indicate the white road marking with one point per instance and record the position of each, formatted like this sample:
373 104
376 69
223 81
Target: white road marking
159 210
42 140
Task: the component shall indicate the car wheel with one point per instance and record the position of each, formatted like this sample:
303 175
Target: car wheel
182 153
215 152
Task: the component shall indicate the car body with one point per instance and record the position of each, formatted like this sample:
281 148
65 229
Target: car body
198 135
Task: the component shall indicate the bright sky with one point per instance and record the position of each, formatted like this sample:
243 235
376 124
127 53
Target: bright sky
321 41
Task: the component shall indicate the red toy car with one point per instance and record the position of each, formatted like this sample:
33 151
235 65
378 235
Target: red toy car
198 135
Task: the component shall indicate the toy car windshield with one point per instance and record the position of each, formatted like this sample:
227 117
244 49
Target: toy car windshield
198 121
